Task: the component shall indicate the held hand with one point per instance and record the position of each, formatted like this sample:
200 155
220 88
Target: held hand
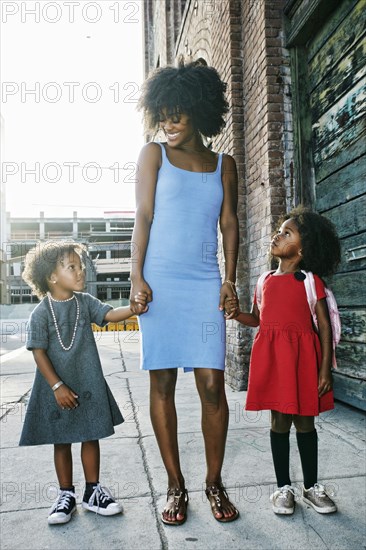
66 398
140 295
229 298
141 300
231 308
325 383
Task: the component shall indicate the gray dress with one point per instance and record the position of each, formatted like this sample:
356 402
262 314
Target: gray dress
80 368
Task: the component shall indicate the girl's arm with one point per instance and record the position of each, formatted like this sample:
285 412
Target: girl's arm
229 227
148 165
325 335
65 397
123 313
249 319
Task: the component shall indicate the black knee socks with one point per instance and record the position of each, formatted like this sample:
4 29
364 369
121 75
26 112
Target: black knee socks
280 445
308 449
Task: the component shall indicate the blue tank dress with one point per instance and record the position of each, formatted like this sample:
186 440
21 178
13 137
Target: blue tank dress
184 327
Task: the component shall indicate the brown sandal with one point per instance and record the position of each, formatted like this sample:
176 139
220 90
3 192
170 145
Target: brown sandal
176 496
213 492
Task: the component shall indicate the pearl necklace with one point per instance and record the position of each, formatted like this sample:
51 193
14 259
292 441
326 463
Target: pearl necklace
50 299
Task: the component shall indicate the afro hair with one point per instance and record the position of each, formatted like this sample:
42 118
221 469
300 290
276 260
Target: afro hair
320 245
194 89
41 261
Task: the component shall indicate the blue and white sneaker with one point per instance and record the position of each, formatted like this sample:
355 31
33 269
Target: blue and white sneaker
63 508
101 502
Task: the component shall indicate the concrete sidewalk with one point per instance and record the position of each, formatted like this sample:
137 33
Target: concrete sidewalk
132 468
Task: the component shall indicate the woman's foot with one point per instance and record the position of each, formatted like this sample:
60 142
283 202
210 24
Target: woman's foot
175 510
221 507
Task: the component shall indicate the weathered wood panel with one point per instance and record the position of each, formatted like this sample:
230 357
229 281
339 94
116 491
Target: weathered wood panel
329 74
353 253
349 289
350 360
344 38
303 16
303 155
353 323
342 186
339 13
349 218
342 158
350 390
342 78
340 132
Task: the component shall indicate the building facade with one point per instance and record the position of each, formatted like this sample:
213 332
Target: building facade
296 88
108 241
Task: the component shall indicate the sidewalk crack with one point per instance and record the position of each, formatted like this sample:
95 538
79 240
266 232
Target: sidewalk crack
140 438
9 406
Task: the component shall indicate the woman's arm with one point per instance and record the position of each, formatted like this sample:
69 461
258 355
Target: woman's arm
229 226
65 397
325 336
148 165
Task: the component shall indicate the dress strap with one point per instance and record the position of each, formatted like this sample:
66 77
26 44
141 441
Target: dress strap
163 154
219 163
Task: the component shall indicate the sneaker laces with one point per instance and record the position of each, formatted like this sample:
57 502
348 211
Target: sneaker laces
101 495
62 501
283 491
320 491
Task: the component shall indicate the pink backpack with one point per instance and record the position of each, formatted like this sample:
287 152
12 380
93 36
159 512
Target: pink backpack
312 299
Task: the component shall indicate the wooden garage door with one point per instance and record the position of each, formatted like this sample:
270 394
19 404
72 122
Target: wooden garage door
330 109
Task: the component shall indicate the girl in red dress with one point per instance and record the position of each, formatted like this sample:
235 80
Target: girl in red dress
290 367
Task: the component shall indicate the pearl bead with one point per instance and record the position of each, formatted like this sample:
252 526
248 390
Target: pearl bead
50 299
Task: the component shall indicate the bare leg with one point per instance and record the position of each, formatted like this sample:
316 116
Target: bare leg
304 424
164 421
215 418
63 464
90 458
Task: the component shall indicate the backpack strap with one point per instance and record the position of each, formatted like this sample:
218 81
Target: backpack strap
312 299
310 290
259 287
334 315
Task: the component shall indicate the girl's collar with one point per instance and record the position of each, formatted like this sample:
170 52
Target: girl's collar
299 275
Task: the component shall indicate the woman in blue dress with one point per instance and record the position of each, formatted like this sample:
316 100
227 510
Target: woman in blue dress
183 191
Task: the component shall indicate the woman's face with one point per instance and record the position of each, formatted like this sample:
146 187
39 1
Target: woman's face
177 128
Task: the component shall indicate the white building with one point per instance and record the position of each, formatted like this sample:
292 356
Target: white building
107 239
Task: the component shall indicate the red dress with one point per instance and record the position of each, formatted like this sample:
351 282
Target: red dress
286 354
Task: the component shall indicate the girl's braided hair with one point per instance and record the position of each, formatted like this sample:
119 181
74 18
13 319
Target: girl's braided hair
320 245
194 89
41 261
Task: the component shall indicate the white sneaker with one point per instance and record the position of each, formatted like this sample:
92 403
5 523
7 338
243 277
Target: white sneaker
102 502
63 508
318 499
283 500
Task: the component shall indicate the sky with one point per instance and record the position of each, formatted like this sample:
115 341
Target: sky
71 75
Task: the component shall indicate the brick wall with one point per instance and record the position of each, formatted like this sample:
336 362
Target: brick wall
244 42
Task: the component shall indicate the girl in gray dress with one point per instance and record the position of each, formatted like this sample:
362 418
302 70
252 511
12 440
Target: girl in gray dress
70 400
